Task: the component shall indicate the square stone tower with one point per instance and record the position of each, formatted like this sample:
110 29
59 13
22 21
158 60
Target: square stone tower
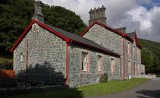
97 15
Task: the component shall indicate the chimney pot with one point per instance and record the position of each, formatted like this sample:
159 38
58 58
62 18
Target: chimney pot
38 11
97 15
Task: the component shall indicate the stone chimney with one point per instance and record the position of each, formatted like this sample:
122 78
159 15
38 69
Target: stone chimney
38 11
97 15
123 29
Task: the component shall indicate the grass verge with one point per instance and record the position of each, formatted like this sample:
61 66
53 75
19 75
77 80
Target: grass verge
89 90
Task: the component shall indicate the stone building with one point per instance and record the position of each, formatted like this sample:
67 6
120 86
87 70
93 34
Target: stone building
50 55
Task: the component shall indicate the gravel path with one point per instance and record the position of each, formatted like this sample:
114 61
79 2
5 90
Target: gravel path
150 89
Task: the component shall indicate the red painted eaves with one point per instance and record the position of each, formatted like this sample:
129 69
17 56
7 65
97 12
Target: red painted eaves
107 27
136 39
29 27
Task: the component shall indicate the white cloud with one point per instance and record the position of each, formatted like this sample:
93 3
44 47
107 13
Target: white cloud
130 13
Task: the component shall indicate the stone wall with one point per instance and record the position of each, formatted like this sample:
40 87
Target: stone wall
46 57
77 77
107 39
134 57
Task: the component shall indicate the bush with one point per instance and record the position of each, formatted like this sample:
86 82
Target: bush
104 78
7 83
6 64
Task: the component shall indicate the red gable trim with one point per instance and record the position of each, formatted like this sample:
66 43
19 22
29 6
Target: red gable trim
136 39
67 40
28 28
107 27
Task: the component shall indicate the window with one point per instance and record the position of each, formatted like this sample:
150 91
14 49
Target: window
128 48
129 67
99 63
84 61
112 65
134 52
138 54
138 68
21 57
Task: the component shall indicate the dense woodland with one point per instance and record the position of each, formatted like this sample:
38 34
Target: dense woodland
150 55
15 15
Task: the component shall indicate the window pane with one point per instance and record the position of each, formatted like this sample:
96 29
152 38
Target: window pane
84 61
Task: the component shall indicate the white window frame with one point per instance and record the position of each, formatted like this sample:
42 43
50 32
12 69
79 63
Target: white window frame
134 52
100 62
112 65
85 61
129 46
129 67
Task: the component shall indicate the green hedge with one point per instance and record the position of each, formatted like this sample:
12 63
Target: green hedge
153 70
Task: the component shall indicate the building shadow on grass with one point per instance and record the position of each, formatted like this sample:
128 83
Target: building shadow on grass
42 79
149 93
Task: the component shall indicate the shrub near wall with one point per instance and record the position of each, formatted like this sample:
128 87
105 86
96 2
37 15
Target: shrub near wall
104 78
6 63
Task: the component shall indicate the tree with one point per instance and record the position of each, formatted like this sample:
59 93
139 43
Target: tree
15 15
147 57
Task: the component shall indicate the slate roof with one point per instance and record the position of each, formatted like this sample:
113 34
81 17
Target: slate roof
83 40
108 28
131 35
66 36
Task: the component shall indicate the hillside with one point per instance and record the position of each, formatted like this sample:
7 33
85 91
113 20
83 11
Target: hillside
15 15
150 53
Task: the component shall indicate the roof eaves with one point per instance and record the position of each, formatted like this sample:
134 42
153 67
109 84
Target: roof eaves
28 28
102 50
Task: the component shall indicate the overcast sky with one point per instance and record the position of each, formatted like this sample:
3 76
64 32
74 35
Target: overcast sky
140 15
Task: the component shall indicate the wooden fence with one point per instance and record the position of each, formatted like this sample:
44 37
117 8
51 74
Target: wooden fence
7 74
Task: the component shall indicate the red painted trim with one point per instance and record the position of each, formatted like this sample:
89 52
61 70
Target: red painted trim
136 40
56 33
107 27
28 28
88 60
124 64
51 30
67 63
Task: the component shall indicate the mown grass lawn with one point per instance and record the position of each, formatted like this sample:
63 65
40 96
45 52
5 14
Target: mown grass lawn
89 90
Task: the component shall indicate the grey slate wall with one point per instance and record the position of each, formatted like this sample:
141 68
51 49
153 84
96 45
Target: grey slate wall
77 77
107 39
46 57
